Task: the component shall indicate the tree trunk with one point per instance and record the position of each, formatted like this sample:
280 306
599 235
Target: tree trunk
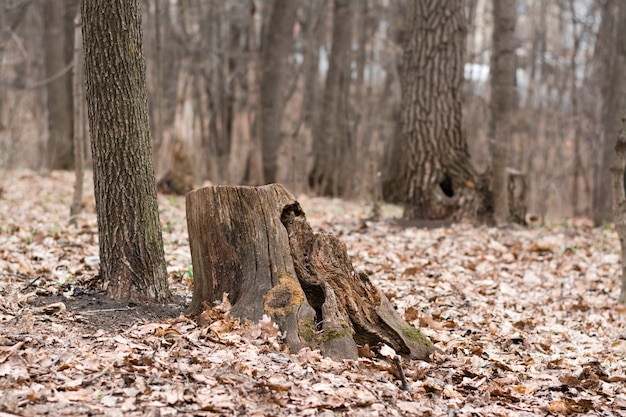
58 86
254 160
394 166
79 122
315 25
613 92
274 70
440 179
255 244
502 98
131 247
157 103
332 148
618 169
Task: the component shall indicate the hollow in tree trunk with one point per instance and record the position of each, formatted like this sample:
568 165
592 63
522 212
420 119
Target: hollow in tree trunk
255 244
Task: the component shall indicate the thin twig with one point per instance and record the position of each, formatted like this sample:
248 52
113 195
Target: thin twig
53 77
58 358
93 377
107 310
31 284
405 383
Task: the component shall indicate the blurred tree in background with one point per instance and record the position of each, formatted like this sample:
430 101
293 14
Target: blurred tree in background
314 99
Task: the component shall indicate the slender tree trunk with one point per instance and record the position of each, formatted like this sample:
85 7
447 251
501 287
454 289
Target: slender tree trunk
313 28
331 142
618 169
58 75
394 166
502 96
358 131
440 179
577 165
314 38
254 160
274 70
613 84
131 247
4 33
157 106
79 120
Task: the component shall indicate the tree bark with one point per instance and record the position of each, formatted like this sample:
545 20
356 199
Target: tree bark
315 25
59 91
131 247
274 70
613 94
254 160
618 169
157 103
255 244
502 99
332 145
79 122
440 180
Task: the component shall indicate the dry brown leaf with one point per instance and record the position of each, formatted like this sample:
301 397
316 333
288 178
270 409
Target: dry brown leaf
522 314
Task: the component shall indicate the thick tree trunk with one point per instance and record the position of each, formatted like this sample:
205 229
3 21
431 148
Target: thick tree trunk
131 248
502 98
332 145
440 179
255 244
274 66
59 89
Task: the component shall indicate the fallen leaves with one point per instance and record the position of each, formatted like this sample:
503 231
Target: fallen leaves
525 320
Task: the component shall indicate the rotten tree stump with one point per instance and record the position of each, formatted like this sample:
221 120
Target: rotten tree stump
255 244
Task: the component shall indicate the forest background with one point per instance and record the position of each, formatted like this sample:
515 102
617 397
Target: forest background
521 320
205 61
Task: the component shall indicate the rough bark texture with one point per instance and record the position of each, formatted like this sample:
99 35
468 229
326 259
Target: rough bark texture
255 244
274 70
618 169
332 144
502 98
131 247
613 94
440 179
57 44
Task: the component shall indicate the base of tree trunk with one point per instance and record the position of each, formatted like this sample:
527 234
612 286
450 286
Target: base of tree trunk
255 244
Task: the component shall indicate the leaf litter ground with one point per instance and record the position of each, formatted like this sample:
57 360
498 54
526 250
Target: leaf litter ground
525 317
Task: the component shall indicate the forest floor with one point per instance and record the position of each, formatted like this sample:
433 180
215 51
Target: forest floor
526 319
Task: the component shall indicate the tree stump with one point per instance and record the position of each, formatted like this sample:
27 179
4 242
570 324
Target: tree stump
255 244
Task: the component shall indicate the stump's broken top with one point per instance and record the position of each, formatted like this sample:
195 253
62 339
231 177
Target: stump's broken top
255 244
